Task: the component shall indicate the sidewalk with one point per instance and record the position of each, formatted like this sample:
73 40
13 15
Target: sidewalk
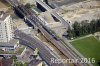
81 38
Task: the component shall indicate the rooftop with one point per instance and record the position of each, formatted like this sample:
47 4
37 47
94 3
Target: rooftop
35 62
7 62
1 58
8 44
3 15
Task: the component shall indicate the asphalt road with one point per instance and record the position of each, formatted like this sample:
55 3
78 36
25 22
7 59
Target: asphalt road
32 42
50 36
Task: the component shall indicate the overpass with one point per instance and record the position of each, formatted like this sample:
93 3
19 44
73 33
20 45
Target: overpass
51 36
48 8
43 4
34 20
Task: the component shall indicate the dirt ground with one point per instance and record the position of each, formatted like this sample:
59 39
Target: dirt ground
4 6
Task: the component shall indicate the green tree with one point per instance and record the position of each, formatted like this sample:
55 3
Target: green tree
98 24
93 26
76 27
25 64
84 28
14 58
28 5
71 33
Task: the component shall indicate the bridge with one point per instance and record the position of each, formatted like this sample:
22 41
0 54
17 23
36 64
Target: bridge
48 8
50 36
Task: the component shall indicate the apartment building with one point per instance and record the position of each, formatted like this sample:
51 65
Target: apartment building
6 27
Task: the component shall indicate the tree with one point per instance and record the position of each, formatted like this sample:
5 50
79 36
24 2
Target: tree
99 62
71 33
25 64
93 26
84 28
28 5
98 25
14 58
76 27
83 23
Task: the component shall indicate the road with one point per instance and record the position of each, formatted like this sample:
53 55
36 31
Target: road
48 8
34 20
32 42
80 38
69 48
28 40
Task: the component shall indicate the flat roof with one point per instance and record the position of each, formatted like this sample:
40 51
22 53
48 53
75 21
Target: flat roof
3 16
8 44
35 62
1 58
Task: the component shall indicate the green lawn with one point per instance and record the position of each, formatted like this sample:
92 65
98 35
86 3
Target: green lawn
89 47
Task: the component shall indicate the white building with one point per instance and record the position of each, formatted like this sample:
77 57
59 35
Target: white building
6 28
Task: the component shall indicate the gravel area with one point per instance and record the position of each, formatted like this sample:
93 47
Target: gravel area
81 11
64 2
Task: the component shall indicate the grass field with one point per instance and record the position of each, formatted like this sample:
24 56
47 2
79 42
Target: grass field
89 47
